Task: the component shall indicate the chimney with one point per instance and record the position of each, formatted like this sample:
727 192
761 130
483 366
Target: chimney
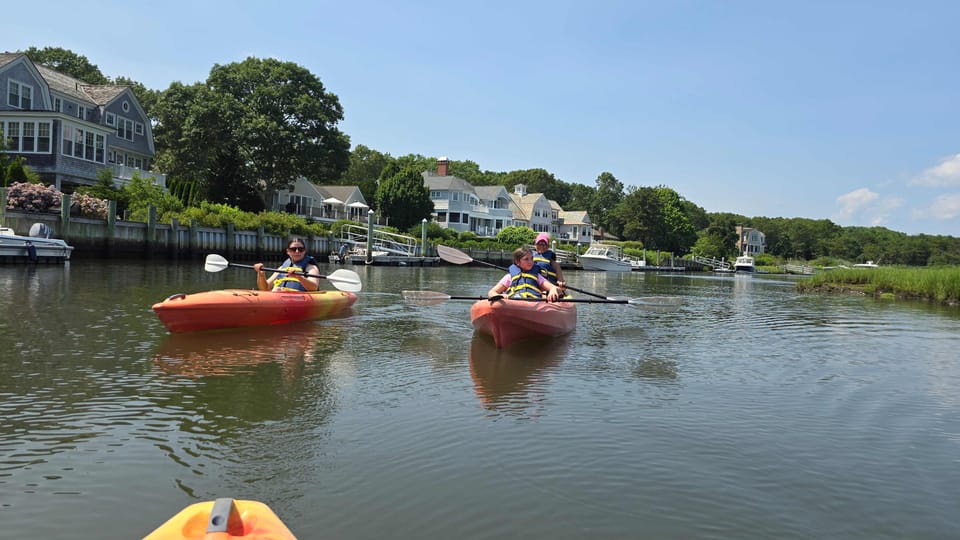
442 166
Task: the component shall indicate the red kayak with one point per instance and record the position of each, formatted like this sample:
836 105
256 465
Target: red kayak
231 308
509 321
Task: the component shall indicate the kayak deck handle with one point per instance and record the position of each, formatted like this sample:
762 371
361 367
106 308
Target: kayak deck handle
224 517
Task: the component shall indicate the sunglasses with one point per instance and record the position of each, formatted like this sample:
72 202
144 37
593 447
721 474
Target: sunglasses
297 248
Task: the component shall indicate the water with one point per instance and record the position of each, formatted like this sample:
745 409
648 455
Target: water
750 412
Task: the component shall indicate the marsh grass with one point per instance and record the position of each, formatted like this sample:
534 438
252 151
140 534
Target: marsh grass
941 284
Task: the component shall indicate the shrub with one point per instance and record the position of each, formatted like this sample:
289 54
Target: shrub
32 197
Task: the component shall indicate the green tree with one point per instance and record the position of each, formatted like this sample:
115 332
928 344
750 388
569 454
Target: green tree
608 195
253 128
67 62
364 170
516 236
404 198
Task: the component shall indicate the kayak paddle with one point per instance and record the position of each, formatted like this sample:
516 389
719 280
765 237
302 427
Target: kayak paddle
455 256
430 298
345 280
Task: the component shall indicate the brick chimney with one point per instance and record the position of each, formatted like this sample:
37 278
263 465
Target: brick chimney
442 166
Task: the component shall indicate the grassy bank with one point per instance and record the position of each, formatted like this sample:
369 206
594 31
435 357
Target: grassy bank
940 285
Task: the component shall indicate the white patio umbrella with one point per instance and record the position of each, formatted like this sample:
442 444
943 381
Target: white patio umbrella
357 204
332 200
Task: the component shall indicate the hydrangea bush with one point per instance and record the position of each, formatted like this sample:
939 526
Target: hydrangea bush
40 198
32 197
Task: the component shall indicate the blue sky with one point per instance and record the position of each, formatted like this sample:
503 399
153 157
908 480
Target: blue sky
845 111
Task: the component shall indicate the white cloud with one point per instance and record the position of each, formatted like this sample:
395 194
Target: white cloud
865 206
855 202
947 173
945 207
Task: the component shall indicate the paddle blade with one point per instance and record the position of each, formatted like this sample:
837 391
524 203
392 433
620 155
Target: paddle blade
454 256
215 263
345 280
425 298
657 303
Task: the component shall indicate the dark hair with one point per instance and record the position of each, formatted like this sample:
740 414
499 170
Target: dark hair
296 241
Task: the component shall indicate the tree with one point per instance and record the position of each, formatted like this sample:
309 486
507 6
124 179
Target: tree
404 198
253 128
364 170
609 193
516 236
67 62
538 181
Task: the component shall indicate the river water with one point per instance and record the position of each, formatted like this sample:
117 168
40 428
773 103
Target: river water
751 411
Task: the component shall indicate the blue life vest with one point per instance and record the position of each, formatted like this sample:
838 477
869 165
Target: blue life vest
523 284
286 283
542 265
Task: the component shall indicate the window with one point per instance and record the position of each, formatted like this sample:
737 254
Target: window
124 128
465 218
83 144
28 137
19 95
455 196
57 104
88 146
111 119
126 106
454 217
441 217
436 195
138 129
81 112
13 136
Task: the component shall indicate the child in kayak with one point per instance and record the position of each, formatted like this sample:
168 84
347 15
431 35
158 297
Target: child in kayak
545 260
521 282
297 261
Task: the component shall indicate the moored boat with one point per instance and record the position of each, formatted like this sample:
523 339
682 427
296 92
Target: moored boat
744 264
510 321
605 258
221 520
231 308
38 247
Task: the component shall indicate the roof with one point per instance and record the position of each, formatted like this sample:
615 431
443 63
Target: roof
575 217
490 193
340 192
64 84
449 183
6 58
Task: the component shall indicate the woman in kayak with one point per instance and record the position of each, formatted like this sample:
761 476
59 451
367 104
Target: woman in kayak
297 263
522 282
545 260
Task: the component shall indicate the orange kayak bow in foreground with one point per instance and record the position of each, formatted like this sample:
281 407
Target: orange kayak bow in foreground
509 321
231 308
223 519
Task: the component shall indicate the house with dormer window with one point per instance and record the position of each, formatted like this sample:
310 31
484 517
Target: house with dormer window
532 210
68 130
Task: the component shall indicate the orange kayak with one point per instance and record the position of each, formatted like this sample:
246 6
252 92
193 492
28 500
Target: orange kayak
230 308
509 321
223 519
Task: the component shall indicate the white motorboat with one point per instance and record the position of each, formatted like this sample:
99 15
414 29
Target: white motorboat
604 258
38 247
868 264
744 264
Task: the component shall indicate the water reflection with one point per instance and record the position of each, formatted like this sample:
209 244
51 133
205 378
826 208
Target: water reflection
513 379
240 350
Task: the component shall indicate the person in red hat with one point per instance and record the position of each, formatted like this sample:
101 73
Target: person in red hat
545 261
